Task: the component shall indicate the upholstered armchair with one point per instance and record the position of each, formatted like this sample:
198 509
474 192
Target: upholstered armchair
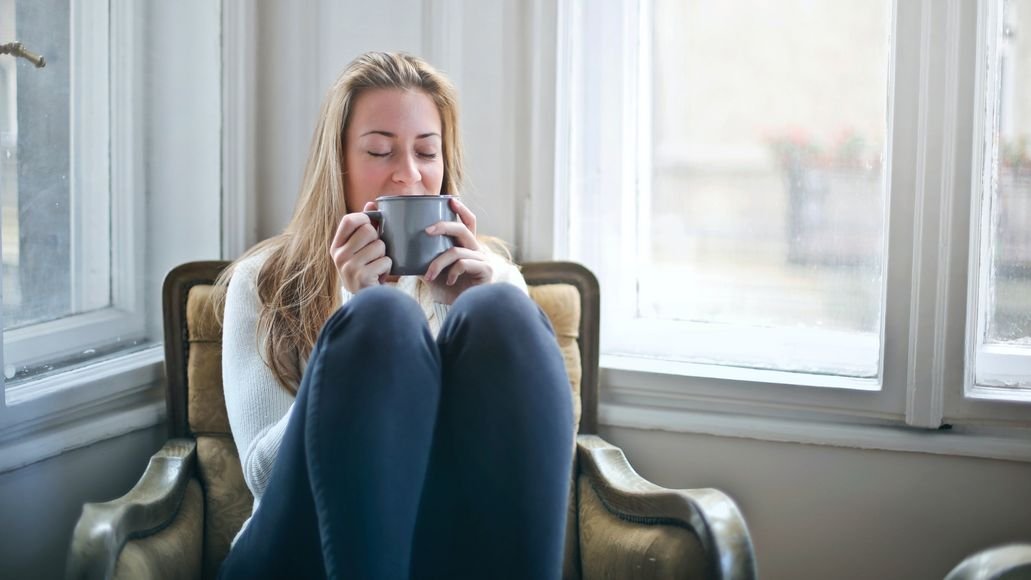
179 519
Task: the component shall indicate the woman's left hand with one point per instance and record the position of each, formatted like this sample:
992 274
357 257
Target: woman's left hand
463 266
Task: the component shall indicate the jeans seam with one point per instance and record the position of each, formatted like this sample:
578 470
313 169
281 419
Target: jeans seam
314 471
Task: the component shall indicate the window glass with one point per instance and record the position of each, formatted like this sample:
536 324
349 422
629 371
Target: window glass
1009 288
35 192
768 179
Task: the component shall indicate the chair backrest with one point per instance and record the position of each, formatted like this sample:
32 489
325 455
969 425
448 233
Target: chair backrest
567 292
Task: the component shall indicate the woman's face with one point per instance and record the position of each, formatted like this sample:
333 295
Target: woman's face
392 146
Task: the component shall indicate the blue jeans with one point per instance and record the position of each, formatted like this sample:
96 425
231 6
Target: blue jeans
406 457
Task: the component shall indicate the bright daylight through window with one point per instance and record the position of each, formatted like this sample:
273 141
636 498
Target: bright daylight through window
798 193
62 302
754 235
1003 324
99 171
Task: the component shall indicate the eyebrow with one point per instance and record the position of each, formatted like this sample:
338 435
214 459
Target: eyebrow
393 136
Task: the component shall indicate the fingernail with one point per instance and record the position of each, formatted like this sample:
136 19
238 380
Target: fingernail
431 229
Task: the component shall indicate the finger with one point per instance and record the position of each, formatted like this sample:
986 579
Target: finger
372 273
370 252
465 214
348 224
379 267
450 257
360 238
457 230
474 269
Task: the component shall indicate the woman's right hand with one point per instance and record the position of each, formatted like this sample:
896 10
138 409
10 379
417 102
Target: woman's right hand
358 254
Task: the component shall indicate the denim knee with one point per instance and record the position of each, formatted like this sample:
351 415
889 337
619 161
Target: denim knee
380 307
497 309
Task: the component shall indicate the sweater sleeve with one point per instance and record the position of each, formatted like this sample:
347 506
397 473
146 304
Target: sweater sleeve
258 406
507 272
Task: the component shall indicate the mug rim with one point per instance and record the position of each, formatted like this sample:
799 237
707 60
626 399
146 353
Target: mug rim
393 197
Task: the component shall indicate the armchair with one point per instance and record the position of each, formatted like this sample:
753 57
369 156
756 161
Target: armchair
179 519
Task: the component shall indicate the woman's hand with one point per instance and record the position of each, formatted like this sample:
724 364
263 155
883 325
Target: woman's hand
464 265
358 254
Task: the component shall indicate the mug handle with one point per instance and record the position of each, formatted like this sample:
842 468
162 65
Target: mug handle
376 216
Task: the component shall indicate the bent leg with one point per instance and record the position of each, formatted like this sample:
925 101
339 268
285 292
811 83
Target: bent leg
345 488
498 482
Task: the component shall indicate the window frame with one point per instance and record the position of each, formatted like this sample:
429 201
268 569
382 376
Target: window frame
125 393
994 362
104 178
933 65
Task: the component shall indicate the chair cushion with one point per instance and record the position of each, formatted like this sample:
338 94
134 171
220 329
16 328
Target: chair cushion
172 553
227 501
206 404
561 302
611 547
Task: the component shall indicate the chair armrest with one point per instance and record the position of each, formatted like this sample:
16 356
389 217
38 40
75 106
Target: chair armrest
150 505
1001 562
709 513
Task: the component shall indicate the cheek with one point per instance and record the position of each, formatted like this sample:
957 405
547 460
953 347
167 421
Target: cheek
362 182
434 177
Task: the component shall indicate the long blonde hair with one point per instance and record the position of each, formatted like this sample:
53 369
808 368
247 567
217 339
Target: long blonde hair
298 285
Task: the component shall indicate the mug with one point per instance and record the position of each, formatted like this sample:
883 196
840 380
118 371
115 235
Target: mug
402 222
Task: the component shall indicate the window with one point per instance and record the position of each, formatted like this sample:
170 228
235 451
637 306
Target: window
68 293
111 175
1002 295
784 203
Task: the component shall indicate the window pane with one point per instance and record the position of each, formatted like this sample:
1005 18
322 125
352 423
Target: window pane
34 184
1009 300
767 199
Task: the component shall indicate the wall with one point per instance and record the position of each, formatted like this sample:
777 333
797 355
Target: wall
303 47
40 504
828 512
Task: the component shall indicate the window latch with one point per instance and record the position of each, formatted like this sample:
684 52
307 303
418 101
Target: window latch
16 49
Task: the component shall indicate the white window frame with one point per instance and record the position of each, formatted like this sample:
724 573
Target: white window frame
1004 370
922 384
124 393
103 101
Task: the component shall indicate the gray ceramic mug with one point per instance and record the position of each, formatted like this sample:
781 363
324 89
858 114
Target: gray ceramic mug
402 221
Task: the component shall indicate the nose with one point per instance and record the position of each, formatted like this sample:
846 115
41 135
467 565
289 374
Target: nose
407 170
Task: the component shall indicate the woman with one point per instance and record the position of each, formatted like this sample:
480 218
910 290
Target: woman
373 449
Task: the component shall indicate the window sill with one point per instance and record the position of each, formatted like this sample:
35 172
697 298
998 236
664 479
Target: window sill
723 372
1009 444
82 407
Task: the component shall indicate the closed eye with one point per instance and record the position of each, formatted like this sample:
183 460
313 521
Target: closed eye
376 154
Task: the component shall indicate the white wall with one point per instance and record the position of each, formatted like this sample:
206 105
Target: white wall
830 512
303 47
40 504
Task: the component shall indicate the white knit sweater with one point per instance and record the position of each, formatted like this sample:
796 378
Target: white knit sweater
259 407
